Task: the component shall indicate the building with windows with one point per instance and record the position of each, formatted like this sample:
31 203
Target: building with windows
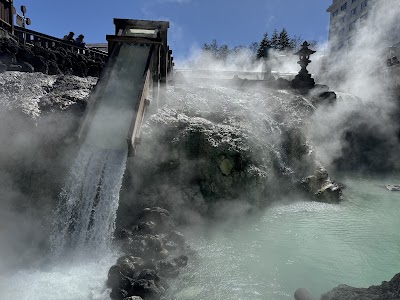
344 17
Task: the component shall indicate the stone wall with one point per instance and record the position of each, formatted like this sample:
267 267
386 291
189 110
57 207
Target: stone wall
17 57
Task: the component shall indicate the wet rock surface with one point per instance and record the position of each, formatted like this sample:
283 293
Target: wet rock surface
147 265
388 290
224 143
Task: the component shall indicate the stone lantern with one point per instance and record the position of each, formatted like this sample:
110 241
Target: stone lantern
303 80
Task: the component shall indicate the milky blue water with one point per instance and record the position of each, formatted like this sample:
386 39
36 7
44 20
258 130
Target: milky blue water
299 244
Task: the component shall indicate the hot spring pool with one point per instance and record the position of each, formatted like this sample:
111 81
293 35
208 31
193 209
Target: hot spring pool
302 244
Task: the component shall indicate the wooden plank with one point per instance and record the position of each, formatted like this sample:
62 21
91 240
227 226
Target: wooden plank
132 39
141 24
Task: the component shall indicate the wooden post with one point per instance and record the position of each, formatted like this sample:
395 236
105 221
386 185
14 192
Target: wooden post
11 14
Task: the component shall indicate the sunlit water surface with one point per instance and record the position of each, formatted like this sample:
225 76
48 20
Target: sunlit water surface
301 244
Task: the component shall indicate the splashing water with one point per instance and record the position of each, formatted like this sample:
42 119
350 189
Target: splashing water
85 218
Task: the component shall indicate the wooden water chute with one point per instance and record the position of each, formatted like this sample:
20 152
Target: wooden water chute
158 66
132 35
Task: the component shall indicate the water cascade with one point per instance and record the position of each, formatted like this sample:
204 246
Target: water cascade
89 201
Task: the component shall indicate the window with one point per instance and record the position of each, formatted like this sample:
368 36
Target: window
342 19
335 13
364 4
352 1
353 11
341 32
343 7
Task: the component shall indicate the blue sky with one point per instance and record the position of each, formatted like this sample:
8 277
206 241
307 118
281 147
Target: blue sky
192 22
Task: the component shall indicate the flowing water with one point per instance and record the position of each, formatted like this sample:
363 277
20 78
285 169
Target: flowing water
85 218
81 240
299 244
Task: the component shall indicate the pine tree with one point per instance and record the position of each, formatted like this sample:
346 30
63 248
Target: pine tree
284 40
295 42
265 42
275 39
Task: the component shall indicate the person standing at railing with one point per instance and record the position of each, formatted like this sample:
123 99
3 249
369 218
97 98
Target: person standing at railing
79 41
69 37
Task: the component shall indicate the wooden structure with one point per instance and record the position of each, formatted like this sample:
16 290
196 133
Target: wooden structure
7 15
145 32
159 65
131 36
40 39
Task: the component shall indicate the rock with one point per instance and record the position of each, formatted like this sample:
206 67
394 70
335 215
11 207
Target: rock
303 294
127 268
14 68
163 254
93 70
170 268
53 68
161 217
181 261
145 227
325 98
27 67
322 187
176 237
149 275
147 246
7 58
133 298
226 166
171 246
40 64
124 233
386 291
118 294
282 83
146 289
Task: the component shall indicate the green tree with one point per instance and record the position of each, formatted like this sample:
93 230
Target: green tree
211 48
265 42
284 40
275 39
218 52
222 52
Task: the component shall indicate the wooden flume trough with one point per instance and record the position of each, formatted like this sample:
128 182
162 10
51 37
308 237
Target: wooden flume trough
142 36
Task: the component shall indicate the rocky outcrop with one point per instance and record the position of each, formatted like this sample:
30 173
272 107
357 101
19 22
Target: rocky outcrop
154 252
213 143
388 290
322 187
17 57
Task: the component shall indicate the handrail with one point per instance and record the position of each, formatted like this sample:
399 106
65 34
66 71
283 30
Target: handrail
48 41
4 24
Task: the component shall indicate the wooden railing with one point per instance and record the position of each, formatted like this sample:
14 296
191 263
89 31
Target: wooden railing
39 39
5 25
